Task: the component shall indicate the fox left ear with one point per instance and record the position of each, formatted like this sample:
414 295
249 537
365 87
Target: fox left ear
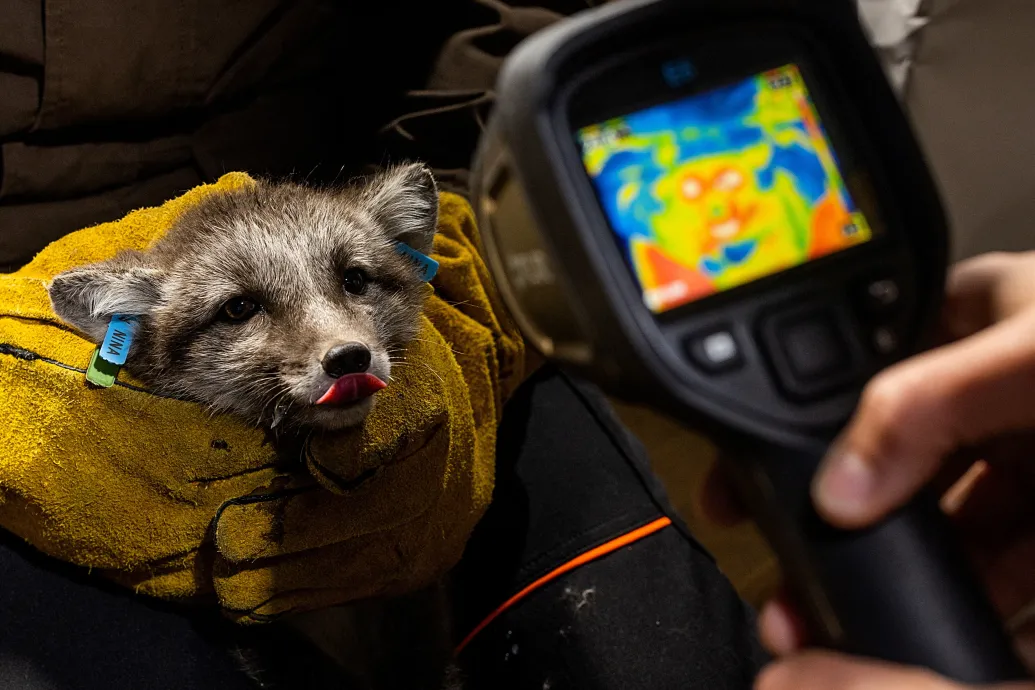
86 297
404 199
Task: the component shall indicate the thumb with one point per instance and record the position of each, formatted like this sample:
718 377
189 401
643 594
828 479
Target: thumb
913 415
824 670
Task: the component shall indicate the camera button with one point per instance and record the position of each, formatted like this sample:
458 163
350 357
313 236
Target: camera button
814 347
885 341
810 350
879 296
715 351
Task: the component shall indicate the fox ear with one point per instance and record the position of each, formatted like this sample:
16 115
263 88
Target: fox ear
88 296
404 199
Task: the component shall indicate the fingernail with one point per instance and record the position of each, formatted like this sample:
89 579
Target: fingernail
845 485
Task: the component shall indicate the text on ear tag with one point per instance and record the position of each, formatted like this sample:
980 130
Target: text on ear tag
118 339
427 266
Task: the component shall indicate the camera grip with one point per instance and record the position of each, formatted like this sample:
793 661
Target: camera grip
901 591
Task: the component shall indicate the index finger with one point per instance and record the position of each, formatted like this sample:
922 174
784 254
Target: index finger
913 415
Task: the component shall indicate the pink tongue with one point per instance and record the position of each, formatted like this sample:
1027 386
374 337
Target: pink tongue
351 388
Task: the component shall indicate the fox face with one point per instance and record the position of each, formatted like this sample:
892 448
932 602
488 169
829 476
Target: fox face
279 303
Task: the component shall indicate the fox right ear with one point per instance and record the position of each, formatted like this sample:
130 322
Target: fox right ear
88 296
404 199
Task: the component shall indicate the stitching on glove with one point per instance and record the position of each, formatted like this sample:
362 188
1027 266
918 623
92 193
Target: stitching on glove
30 356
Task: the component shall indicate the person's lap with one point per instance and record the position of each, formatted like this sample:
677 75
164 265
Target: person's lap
654 613
62 629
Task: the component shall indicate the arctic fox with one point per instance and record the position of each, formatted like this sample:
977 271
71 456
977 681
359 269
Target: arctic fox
278 303
286 306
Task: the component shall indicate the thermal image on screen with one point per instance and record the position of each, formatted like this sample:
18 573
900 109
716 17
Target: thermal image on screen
721 188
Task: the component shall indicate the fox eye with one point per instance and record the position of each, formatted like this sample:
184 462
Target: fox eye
239 309
354 281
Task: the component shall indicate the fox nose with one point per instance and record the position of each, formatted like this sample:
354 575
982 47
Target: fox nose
348 358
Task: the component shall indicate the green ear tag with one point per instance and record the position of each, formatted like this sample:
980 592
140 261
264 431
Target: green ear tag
101 372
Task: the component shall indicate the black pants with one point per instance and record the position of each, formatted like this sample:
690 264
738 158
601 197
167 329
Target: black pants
604 592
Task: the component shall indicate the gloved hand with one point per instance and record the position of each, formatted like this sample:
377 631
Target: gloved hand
163 498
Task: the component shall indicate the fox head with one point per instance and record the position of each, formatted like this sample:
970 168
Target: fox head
279 303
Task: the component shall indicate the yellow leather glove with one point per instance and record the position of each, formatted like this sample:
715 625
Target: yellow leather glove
161 497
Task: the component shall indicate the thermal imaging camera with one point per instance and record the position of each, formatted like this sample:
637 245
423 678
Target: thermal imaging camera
718 208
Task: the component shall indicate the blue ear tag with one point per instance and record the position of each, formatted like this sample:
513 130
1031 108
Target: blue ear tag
427 266
111 355
117 340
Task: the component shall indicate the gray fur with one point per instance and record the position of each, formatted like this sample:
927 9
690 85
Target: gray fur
286 247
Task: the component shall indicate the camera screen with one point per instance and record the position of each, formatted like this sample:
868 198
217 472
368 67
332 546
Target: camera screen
721 188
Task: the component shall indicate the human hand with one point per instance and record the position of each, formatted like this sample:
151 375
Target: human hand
927 420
